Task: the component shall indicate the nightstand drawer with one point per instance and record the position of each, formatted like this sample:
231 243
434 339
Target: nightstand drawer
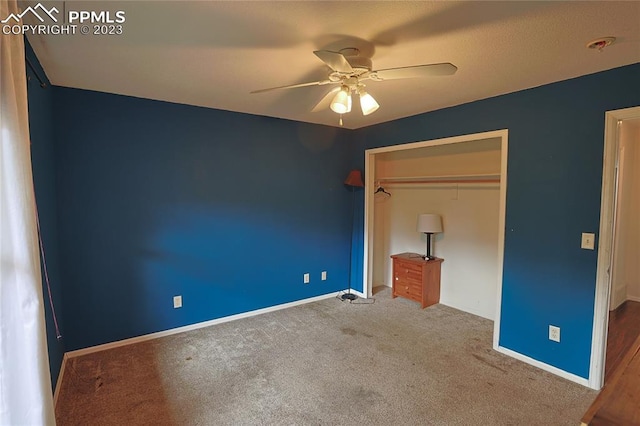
408 275
402 292
407 268
409 292
407 271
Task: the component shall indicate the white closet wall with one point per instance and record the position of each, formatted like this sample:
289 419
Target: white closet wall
470 212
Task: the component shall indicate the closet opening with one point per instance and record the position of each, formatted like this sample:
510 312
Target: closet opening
463 179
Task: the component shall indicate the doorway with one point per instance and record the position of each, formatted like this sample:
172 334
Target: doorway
373 175
617 304
624 304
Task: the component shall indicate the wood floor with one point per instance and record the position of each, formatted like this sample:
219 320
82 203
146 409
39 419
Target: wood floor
624 328
619 401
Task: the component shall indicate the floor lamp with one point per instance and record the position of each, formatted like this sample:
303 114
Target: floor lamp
353 181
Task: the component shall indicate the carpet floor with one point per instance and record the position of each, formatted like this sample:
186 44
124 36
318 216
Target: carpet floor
323 363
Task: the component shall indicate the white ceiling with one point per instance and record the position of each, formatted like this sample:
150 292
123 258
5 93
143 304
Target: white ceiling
213 53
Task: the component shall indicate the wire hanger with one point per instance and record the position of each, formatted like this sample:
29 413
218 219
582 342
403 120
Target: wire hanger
382 190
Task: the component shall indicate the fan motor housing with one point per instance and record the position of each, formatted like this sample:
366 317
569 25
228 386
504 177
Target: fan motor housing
359 63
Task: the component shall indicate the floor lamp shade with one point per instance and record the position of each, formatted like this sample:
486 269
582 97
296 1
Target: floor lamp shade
429 224
354 179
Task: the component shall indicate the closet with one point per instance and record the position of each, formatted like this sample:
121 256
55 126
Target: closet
461 181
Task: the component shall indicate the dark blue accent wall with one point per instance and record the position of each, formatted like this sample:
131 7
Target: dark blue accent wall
556 142
153 199
43 165
228 210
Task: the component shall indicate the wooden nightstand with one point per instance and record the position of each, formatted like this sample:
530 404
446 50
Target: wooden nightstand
416 279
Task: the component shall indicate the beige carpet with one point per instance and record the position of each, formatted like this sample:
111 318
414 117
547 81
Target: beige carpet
324 363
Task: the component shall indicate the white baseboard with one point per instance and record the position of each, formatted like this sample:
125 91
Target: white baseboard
151 336
546 367
633 298
56 392
469 310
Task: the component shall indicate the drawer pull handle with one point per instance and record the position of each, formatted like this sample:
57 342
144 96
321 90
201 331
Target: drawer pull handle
397 278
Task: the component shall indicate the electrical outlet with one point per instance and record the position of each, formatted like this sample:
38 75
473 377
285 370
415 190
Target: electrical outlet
305 278
324 276
177 302
588 241
554 333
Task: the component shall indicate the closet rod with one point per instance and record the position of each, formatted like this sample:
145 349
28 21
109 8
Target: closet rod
392 182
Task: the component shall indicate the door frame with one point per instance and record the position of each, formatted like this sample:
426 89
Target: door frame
370 178
605 243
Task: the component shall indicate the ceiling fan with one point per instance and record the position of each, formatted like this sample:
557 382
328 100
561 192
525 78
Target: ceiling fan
348 70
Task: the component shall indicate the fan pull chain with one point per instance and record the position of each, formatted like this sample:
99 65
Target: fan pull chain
340 120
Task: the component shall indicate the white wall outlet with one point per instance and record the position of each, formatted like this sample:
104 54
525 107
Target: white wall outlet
305 278
588 241
177 302
323 276
554 333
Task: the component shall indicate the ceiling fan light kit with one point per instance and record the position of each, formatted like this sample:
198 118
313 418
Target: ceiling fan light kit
367 103
349 69
341 103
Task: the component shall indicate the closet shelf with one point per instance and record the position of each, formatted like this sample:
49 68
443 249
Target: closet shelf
475 178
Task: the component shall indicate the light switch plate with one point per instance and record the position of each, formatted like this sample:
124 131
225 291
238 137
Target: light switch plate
177 302
588 241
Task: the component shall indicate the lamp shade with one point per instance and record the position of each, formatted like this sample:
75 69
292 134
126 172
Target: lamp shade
354 179
367 103
430 223
342 101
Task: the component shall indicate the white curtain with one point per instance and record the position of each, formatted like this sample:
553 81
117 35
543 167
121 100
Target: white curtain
25 384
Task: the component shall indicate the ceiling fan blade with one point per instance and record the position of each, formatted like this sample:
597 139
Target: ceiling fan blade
293 86
336 61
414 71
326 100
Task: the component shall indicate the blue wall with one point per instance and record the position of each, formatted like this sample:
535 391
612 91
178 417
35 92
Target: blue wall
556 141
42 158
228 210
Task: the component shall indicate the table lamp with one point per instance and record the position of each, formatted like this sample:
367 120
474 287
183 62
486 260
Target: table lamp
429 224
